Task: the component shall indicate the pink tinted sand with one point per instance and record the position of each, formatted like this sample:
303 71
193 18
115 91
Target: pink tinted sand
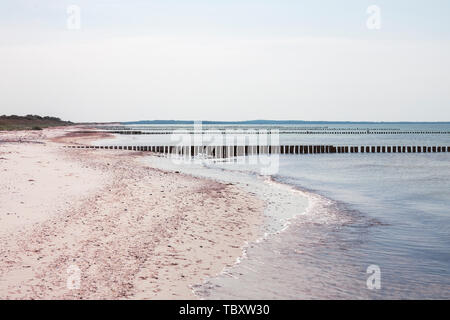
134 232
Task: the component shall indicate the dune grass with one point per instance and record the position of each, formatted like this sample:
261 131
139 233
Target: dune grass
29 122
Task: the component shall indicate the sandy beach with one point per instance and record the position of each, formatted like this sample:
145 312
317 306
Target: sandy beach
132 231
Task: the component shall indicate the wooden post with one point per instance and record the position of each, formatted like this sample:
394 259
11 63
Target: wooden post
228 151
217 152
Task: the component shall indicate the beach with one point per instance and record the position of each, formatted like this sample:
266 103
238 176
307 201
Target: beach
125 229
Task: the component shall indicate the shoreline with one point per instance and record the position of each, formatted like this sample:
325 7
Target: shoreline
295 203
133 231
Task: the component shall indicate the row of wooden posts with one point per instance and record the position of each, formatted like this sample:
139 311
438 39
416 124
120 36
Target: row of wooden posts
212 132
231 151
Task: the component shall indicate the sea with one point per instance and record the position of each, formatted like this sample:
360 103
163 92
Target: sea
336 226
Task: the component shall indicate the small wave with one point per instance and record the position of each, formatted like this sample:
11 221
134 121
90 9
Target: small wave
323 209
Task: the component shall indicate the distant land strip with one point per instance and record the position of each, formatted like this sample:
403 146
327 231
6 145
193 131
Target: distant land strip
30 122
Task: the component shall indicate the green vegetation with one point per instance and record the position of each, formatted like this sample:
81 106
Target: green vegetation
30 122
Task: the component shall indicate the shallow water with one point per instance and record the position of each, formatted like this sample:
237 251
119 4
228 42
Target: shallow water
317 138
331 216
388 210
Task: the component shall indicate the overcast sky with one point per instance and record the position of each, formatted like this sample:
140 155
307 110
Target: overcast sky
226 60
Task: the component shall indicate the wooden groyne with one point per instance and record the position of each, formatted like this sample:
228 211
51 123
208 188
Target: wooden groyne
281 131
241 150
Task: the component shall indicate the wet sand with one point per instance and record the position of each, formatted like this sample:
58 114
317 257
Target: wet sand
132 231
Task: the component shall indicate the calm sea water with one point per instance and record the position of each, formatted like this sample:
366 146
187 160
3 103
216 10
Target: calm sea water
331 216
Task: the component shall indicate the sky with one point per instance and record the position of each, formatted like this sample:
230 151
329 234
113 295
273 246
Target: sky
111 60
